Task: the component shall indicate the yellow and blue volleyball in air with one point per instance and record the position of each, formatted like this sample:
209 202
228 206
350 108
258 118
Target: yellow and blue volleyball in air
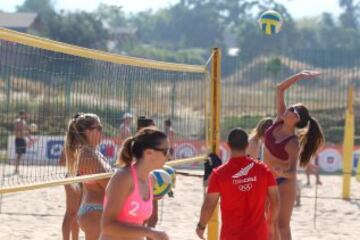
162 183
171 171
270 22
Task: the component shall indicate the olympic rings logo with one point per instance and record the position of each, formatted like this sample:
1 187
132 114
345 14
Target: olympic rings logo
245 187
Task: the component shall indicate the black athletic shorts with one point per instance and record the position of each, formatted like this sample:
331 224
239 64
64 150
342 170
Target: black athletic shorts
213 162
20 145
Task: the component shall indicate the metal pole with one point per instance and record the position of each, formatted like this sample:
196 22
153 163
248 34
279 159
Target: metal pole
173 98
348 146
215 99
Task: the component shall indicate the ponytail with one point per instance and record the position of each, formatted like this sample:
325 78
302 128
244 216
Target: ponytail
134 147
126 156
310 142
71 145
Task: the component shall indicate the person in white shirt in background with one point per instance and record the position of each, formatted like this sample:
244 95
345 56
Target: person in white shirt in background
125 126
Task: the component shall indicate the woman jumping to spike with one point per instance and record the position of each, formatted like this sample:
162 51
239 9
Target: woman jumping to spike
284 147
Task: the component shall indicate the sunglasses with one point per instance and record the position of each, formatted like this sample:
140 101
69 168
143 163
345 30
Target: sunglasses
165 151
293 110
99 128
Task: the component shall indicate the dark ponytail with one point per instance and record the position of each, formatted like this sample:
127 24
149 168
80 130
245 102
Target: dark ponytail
310 142
126 156
134 147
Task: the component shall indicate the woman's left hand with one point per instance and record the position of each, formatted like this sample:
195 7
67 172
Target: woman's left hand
309 74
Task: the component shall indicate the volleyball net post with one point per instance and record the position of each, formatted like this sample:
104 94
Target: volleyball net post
348 146
214 138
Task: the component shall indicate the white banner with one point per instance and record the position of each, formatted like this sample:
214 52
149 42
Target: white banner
47 149
42 150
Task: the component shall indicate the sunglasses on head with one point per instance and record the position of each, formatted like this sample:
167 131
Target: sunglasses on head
99 128
293 109
164 151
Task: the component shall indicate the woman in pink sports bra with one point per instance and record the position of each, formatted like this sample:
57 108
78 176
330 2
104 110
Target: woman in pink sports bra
128 198
284 148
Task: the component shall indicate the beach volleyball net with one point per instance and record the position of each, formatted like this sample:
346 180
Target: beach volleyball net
51 81
248 95
249 89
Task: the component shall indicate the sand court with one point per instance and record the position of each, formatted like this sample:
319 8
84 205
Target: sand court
38 214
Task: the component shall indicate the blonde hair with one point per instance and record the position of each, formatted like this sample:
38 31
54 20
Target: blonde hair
75 138
261 127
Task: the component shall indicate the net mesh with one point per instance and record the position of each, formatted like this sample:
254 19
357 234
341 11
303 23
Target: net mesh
248 95
249 92
51 86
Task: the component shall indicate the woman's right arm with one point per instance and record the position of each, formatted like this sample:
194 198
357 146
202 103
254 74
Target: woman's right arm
253 148
117 191
284 85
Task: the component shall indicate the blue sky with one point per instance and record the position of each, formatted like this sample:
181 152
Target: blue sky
298 8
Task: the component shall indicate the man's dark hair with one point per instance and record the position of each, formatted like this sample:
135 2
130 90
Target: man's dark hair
22 112
167 123
143 122
238 139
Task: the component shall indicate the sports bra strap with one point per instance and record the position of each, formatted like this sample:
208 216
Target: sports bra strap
151 184
135 178
288 139
277 123
272 127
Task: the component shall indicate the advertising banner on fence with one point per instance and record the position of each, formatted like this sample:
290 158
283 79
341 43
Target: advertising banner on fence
47 150
41 150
